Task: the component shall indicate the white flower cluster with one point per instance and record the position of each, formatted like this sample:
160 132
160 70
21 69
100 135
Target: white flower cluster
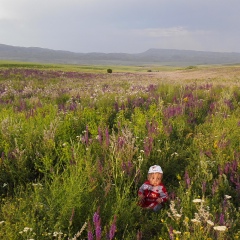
174 214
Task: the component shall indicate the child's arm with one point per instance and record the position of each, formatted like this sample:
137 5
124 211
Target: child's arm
163 196
141 196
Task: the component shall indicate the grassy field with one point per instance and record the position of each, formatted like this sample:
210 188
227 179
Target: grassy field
76 143
83 68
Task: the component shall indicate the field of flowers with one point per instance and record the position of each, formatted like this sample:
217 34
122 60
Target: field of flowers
75 146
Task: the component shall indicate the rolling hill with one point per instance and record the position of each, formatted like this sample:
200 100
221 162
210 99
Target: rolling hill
152 56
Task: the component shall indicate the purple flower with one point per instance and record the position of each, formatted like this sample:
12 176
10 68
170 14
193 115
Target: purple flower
221 219
107 137
171 236
100 135
229 104
187 179
90 234
113 228
215 186
120 142
173 111
234 165
96 218
151 127
148 145
97 224
98 231
226 168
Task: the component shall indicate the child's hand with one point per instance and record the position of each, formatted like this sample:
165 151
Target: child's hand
141 198
159 200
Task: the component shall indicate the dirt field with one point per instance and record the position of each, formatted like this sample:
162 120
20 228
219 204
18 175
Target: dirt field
229 75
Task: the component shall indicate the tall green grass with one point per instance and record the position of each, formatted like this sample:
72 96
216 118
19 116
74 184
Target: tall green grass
76 147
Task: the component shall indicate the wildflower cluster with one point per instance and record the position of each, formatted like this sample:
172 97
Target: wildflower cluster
71 141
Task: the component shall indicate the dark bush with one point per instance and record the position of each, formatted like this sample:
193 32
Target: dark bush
109 70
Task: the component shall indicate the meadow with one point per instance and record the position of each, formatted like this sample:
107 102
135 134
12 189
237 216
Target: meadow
76 143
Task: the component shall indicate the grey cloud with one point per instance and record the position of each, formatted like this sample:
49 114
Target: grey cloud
126 26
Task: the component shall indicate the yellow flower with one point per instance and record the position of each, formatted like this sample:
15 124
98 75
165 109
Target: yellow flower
215 144
187 234
178 177
185 99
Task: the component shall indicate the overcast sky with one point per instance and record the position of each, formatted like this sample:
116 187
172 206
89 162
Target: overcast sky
129 26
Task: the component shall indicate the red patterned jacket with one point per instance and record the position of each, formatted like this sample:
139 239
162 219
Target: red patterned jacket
151 194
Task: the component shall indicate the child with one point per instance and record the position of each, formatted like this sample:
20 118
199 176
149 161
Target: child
152 194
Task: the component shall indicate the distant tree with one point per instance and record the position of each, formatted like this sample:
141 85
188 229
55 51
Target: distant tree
109 70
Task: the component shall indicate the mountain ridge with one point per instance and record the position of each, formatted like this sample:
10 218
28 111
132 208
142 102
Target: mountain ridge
149 57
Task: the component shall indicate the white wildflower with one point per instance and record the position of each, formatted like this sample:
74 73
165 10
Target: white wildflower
228 197
174 213
26 229
1 222
195 220
176 232
220 228
210 222
197 200
78 234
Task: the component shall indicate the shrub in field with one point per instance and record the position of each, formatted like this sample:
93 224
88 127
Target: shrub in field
109 70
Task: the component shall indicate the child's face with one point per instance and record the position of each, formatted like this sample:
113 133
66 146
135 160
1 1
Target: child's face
155 178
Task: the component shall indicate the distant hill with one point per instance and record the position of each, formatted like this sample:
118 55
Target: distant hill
151 56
